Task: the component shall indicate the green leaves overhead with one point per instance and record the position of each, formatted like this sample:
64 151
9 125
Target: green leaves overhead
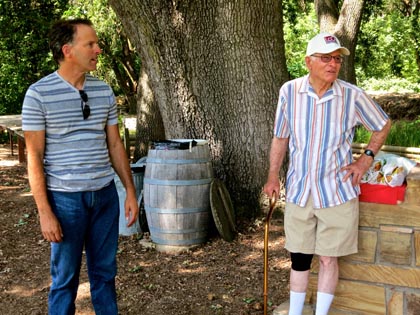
24 51
388 45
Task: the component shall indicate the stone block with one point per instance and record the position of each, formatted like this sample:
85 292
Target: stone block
395 247
359 297
366 247
395 304
417 247
396 229
413 186
413 304
378 274
362 298
283 309
339 312
374 215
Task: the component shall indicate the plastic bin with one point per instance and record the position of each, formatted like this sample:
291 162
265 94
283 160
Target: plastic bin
137 170
382 193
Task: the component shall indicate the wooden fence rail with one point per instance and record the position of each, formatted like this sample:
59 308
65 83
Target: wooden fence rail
408 152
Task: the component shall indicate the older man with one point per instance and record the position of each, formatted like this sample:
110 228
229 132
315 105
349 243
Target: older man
315 120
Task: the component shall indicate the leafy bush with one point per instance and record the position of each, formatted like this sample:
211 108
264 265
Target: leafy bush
24 51
387 47
392 85
403 133
299 28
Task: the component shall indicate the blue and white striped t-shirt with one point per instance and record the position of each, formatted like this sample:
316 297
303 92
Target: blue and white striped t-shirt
320 133
76 155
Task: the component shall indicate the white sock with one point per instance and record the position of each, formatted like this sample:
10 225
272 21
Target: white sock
323 303
297 300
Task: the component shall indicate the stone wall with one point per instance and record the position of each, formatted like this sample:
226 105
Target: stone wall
383 278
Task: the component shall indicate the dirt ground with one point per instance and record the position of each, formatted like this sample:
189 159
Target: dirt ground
218 277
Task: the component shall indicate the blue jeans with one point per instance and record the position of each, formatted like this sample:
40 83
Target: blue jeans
90 220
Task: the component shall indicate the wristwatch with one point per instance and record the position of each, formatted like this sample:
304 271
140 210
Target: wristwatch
369 153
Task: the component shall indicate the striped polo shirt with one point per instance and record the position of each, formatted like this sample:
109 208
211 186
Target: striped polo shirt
76 157
320 132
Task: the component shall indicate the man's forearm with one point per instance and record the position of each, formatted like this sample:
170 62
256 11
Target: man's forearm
277 153
37 183
378 138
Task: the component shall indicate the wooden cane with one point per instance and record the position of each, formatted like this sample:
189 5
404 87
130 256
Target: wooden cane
266 228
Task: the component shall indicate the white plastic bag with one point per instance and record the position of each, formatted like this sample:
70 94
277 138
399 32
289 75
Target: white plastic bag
388 169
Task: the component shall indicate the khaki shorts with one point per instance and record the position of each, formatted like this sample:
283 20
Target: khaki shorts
325 232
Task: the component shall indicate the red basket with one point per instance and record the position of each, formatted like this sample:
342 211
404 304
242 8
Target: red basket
382 193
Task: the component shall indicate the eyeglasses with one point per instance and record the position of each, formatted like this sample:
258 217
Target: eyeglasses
85 105
327 58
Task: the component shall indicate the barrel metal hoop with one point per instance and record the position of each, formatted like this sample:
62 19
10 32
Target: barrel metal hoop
175 161
180 231
175 211
166 182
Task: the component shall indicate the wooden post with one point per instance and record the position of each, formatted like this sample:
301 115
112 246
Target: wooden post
21 148
20 142
10 132
127 142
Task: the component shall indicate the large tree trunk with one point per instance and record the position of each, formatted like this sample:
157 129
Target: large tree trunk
345 26
215 68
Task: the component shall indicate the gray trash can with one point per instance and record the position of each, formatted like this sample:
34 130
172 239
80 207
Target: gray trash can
137 171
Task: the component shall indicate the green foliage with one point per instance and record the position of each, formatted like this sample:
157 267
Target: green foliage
402 133
111 39
406 134
361 135
385 54
105 29
23 220
390 84
4 137
299 28
386 49
24 51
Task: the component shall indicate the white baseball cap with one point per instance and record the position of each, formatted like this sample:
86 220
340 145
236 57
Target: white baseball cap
325 43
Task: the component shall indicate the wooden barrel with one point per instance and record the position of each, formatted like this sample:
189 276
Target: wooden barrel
176 191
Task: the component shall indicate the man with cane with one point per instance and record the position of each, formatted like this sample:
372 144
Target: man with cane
315 121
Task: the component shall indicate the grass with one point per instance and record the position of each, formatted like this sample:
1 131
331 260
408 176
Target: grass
403 133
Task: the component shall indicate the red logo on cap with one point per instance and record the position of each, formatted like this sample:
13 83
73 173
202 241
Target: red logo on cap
330 40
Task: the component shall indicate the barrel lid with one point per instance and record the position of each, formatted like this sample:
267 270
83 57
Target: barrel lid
222 210
196 141
173 144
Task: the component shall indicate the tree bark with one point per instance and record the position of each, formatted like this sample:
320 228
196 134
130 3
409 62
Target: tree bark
215 68
327 14
345 26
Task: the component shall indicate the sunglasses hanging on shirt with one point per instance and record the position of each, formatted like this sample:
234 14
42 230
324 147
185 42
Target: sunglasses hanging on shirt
85 104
